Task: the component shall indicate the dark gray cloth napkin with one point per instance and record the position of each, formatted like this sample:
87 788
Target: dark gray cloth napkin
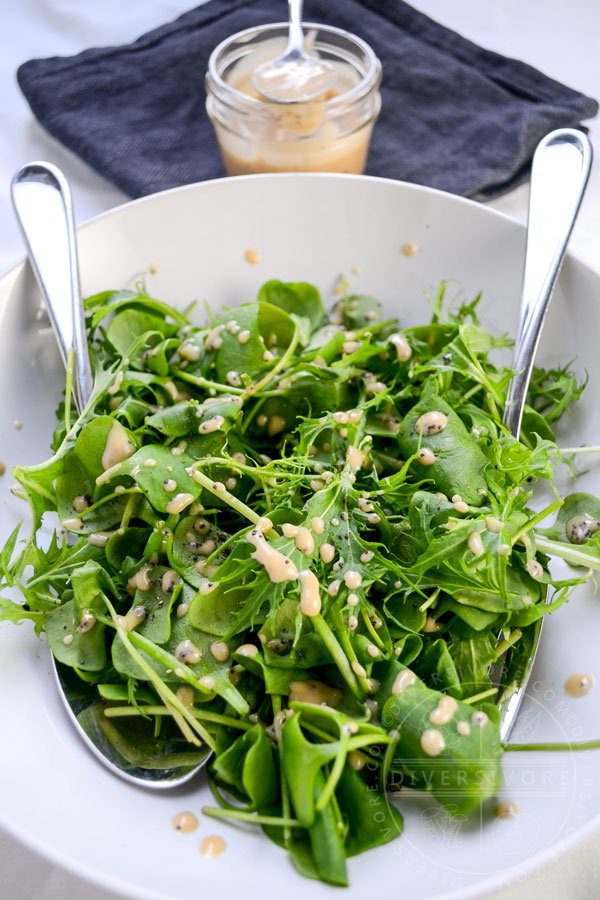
454 116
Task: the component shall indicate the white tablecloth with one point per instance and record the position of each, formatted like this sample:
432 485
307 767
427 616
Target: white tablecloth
559 38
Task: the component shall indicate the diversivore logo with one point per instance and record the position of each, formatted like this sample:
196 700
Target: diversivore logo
544 797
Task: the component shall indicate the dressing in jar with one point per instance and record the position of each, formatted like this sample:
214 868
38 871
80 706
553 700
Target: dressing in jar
328 134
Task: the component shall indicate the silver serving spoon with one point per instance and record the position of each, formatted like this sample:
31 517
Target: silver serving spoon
295 76
42 201
559 175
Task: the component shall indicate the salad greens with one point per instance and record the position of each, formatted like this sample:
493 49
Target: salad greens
294 539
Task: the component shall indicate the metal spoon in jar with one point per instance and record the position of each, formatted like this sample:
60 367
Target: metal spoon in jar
559 174
42 202
295 76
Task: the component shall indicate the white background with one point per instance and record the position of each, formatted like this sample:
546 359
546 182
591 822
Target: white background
561 39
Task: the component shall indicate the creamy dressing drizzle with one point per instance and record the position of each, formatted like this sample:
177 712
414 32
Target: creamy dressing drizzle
475 544
403 680
140 580
355 458
186 695
185 822
179 503
304 541
208 587
72 524
214 341
578 685
133 618
189 351
493 524
310 599
80 503
87 621
213 424
276 424
212 846
357 760
116 384
187 652
99 538
220 651
426 456
403 348
352 579
480 718
431 423
507 810
432 742
580 528
117 448
444 711
278 567
534 568
314 692
317 525
169 580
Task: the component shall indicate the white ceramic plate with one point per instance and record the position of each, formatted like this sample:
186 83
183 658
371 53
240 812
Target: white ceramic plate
53 794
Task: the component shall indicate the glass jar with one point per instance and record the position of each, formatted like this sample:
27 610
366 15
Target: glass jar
330 134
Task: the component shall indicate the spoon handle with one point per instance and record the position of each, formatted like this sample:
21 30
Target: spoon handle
296 35
559 174
42 201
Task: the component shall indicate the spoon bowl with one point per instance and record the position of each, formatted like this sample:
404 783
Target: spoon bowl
295 76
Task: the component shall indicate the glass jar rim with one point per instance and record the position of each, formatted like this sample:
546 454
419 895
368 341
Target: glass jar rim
368 81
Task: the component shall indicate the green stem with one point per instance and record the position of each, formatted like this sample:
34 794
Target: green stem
470 393
200 381
570 450
106 499
430 601
477 697
370 628
335 774
250 817
503 646
566 745
181 713
228 498
169 661
118 712
568 552
537 519
388 759
339 657
129 508
279 365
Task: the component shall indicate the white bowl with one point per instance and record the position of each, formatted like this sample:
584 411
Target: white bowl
53 794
